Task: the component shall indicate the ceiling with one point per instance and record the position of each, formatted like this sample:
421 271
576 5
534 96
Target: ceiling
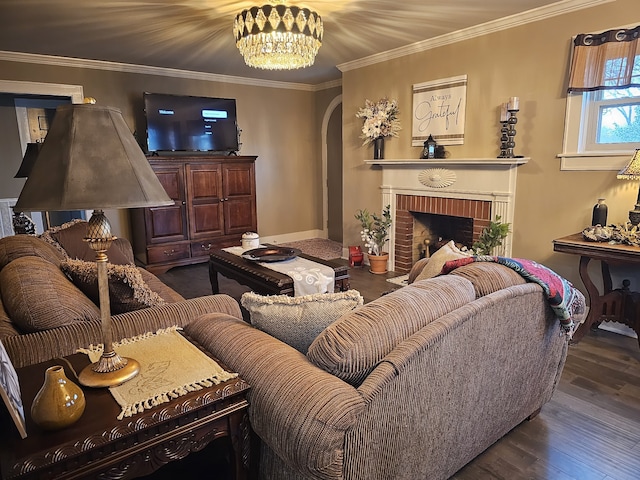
196 35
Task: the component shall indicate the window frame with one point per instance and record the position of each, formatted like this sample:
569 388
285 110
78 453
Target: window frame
575 155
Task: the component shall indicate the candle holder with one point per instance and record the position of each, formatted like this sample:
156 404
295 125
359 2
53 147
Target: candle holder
504 139
511 132
508 134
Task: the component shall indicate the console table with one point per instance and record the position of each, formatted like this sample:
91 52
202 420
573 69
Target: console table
99 446
613 305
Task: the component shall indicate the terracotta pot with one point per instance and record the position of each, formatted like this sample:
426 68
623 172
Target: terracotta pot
378 263
59 402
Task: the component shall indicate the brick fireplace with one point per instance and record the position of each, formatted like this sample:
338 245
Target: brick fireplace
476 189
479 211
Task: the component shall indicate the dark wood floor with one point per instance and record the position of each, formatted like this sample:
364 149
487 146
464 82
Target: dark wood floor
590 430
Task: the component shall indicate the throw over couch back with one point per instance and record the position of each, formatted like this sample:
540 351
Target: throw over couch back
412 385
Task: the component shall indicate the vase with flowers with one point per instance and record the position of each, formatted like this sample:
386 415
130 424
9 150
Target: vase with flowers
375 234
380 120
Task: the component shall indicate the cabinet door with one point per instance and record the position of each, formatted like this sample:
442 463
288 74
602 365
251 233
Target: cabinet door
238 183
168 224
204 200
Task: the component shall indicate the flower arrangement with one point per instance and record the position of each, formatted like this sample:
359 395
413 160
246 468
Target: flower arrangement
375 229
380 119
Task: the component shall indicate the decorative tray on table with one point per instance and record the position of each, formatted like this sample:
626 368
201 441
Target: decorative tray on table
271 254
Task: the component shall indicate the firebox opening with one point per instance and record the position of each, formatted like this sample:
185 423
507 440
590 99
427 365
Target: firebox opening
431 231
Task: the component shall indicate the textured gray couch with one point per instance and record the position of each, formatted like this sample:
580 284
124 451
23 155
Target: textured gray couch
413 385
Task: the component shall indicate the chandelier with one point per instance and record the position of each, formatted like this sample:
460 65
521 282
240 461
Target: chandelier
278 37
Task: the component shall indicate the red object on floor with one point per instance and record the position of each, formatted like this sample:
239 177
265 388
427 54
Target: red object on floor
355 256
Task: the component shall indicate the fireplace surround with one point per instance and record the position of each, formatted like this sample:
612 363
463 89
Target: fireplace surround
477 189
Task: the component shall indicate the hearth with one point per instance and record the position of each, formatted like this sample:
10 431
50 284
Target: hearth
463 195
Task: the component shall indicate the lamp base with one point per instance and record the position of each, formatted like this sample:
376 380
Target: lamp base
634 215
96 376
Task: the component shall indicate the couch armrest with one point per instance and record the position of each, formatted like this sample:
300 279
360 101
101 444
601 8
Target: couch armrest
300 411
58 342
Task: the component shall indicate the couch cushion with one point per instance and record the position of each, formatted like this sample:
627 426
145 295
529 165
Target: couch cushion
297 321
445 253
16 246
127 289
68 238
488 277
38 296
354 344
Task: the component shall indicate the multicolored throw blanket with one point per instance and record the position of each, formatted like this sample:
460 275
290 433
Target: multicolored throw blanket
563 297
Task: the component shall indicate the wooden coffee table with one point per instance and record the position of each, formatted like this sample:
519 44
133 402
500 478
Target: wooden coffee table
263 280
99 446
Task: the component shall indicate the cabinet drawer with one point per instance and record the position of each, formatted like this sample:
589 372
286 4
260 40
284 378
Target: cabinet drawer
168 252
201 248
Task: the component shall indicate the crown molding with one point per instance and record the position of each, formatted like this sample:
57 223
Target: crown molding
161 71
530 16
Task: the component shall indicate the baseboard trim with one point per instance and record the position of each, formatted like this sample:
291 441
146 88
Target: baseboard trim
293 237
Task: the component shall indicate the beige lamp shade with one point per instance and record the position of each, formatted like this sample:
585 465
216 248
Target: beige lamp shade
89 160
632 170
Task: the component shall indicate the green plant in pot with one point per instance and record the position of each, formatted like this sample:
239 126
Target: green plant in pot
491 237
375 234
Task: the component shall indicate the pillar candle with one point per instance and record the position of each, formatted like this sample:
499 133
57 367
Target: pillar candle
514 103
503 113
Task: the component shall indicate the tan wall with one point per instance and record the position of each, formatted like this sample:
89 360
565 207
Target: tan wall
279 125
531 62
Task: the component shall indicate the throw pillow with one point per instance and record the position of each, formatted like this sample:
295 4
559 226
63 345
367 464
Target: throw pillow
439 258
38 296
16 246
127 289
297 321
68 239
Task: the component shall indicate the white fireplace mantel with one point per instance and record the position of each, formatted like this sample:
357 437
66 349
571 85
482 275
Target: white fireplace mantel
449 162
488 179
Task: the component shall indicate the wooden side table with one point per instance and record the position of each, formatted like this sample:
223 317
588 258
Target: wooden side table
99 446
613 305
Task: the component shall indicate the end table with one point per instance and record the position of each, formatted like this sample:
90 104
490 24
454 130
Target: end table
99 446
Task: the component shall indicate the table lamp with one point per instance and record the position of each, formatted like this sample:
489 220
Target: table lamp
632 172
90 160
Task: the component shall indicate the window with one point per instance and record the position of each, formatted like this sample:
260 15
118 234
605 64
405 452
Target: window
602 125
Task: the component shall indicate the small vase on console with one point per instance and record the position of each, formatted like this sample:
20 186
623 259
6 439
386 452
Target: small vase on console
599 216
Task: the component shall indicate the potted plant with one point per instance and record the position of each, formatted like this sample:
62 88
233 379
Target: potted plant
375 234
380 120
491 237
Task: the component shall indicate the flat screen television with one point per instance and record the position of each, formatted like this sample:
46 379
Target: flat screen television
186 123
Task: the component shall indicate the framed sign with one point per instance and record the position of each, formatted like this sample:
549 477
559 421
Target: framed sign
439 110
10 391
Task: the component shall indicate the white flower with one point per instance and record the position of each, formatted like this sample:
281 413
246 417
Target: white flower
381 119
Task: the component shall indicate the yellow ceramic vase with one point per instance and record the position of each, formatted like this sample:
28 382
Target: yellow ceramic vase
59 403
